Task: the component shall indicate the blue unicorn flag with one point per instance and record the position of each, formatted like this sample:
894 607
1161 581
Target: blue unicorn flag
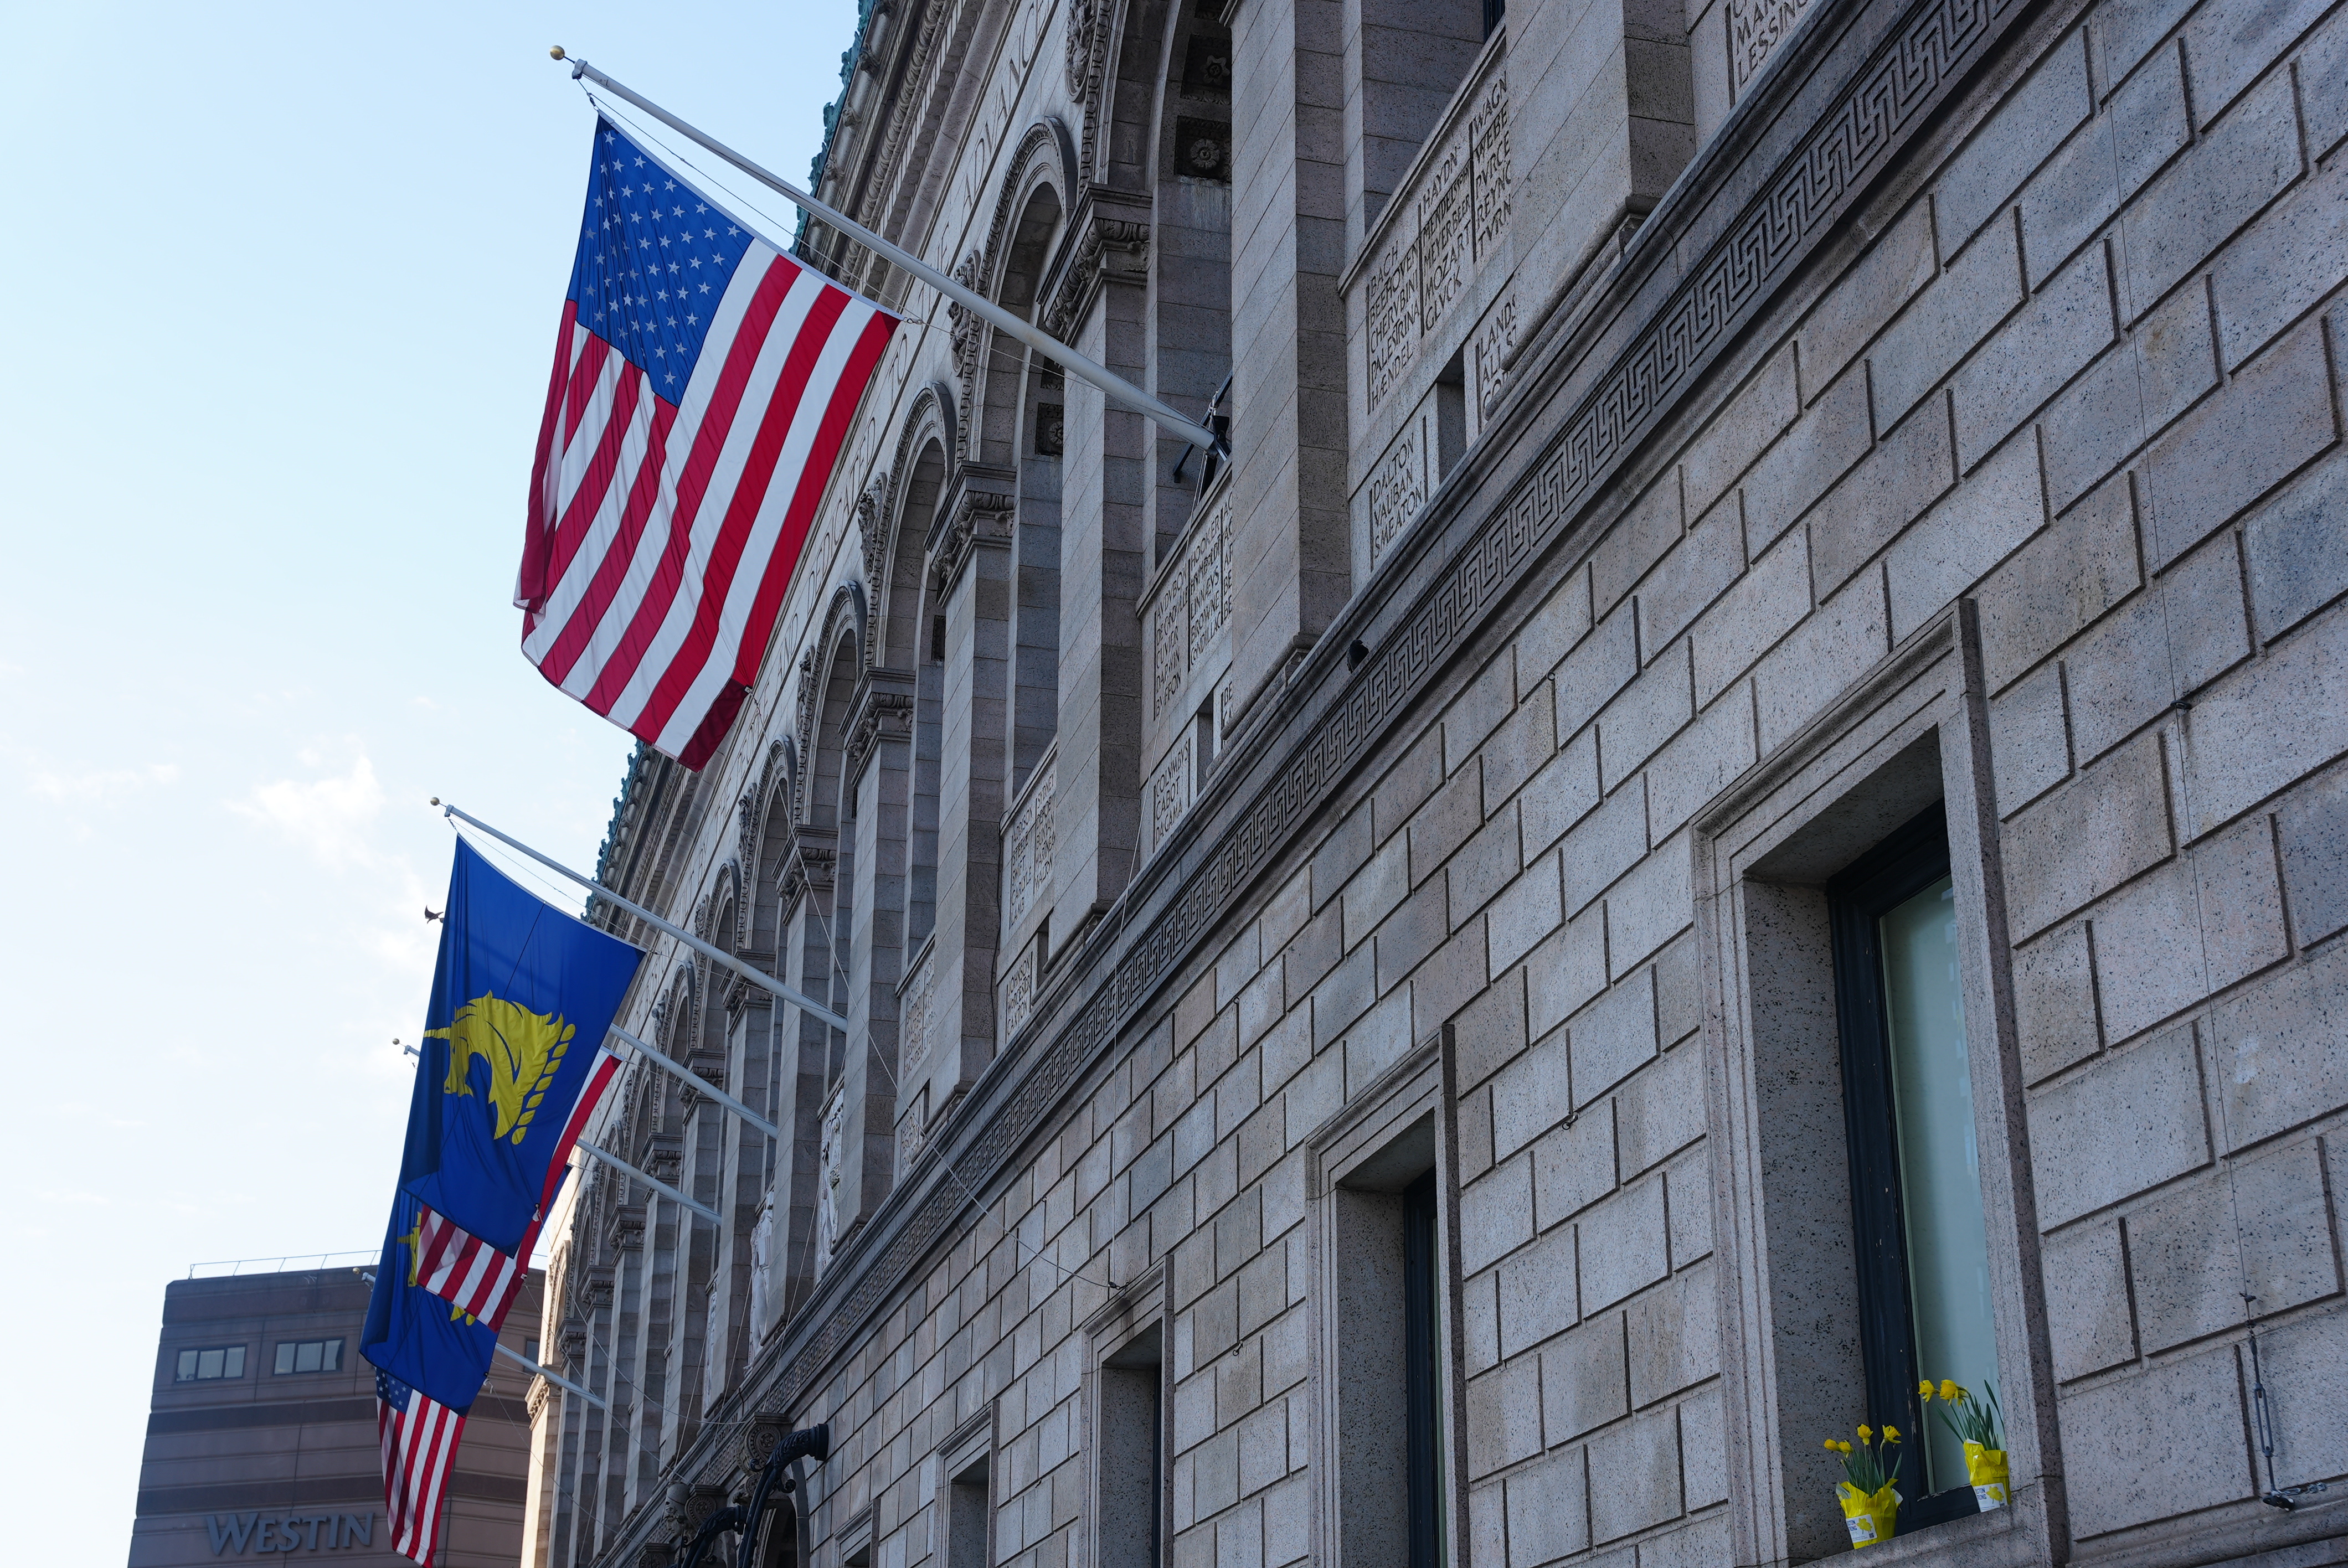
521 1001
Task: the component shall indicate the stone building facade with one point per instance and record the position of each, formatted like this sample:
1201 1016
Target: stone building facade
1386 973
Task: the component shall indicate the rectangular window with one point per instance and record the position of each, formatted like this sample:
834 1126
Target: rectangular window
1422 1339
966 1518
1389 1289
1915 1161
204 1365
309 1356
1132 1453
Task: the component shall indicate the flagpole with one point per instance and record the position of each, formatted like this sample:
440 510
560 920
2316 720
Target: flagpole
716 954
703 1085
655 1182
524 1362
1119 389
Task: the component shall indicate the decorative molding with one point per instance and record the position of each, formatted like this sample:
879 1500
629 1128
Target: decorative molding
980 508
965 334
880 710
1090 25
1107 240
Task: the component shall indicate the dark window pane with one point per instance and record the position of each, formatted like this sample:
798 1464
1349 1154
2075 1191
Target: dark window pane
305 1358
285 1349
333 1360
187 1366
208 1363
235 1367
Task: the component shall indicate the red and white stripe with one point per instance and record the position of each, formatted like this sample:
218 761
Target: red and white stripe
662 535
419 1453
460 1267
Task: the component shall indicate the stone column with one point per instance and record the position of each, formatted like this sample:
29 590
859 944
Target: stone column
877 758
1288 337
949 1012
1099 305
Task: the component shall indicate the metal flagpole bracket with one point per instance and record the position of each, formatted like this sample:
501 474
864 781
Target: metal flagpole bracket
702 1085
560 1381
1115 386
655 1182
755 976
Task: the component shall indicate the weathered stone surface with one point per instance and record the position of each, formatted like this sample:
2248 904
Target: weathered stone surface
2059 583
2262 1226
2167 1441
2222 899
2119 1127
2105 826
2089 1322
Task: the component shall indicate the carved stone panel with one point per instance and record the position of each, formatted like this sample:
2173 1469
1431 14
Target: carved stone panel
1397 487
1441 227
1027 848
1754 28
1170 789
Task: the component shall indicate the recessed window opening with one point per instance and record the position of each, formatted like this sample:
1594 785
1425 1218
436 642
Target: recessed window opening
1202 745
1391 1327
966 1521
1915 1159
201 1366
1132 1453
1422 1339
309 1356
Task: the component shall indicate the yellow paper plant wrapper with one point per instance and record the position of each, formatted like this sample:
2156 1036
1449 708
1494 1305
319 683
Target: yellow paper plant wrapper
1870 1516
1986 1468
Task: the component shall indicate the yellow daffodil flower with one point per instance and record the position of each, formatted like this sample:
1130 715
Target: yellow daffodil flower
1865 1433
1950 1391
1890 1434
1924 1390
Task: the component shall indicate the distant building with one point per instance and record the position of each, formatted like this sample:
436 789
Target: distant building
262 1438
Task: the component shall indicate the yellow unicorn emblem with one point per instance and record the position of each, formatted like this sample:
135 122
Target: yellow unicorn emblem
524 1050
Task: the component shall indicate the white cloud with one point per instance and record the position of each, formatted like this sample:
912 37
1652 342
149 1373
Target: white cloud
102 785
329 817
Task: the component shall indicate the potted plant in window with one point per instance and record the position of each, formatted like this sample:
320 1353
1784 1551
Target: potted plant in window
1974 1423
1870 1503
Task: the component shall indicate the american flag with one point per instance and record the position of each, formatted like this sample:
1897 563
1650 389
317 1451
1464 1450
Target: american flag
419 1453
460 1267
703 385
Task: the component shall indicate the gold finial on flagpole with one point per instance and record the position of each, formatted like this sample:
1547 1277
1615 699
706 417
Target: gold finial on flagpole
556 53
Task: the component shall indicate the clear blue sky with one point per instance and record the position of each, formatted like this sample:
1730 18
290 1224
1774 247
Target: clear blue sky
283 288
